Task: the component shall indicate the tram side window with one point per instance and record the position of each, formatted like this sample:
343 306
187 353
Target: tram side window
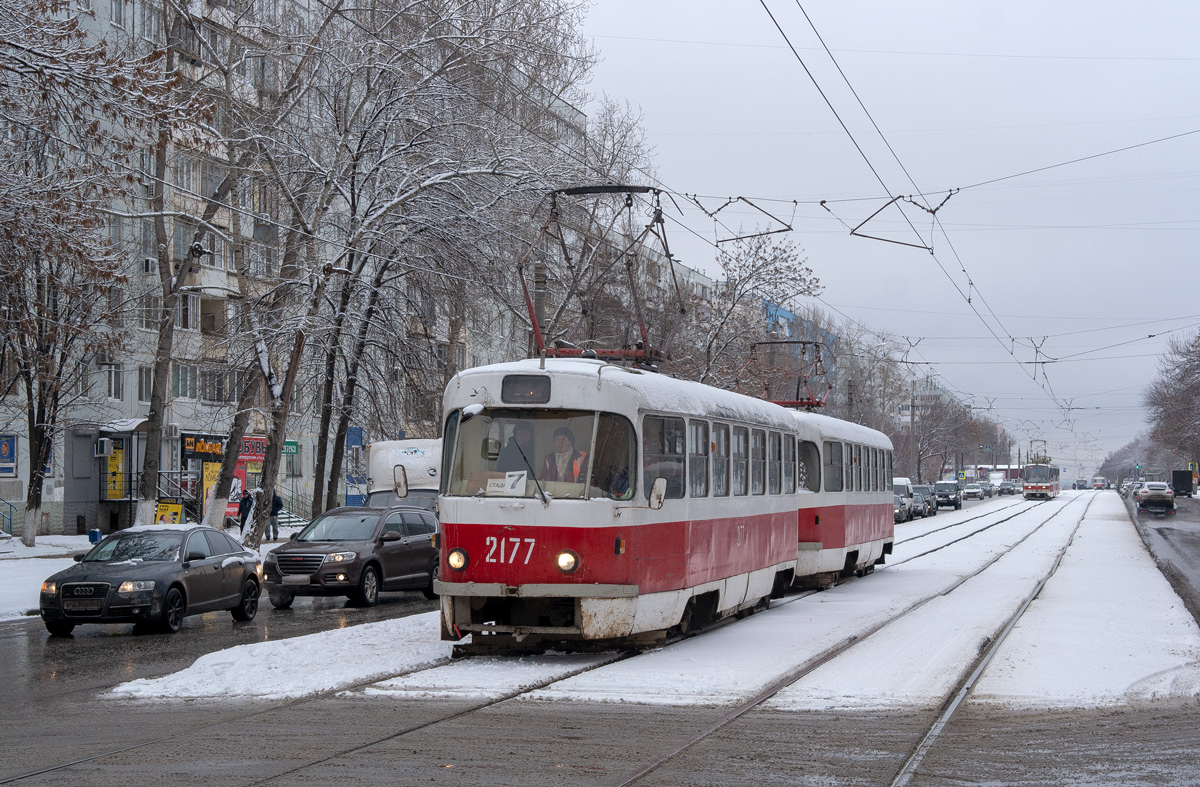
663 442
697 459
758 461
720 460
774 463
741 457
614 458
789 464
808 467
847 467
874 485
888 475
833 466
858 468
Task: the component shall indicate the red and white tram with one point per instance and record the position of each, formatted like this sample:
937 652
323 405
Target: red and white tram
555 525
1041 481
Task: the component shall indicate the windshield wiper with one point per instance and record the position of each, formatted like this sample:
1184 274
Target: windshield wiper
545 498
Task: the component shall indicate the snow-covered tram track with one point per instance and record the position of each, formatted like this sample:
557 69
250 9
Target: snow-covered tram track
964 686
976 531
841 648
961 522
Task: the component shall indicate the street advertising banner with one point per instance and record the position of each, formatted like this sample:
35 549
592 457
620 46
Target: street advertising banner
116 464
169 512
8 455
211 473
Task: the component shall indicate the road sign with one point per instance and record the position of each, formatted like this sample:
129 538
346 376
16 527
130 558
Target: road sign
962 475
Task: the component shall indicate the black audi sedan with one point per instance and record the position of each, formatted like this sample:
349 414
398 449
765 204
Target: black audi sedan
356 552
157 574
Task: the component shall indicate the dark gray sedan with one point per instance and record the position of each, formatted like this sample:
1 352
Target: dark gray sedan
156 574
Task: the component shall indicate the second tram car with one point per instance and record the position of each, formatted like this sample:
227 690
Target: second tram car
1041 481
588 502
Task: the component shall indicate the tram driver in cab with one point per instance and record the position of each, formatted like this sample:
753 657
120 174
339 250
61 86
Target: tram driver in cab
564 463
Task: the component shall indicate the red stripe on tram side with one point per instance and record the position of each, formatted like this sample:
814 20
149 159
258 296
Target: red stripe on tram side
657 557
846 525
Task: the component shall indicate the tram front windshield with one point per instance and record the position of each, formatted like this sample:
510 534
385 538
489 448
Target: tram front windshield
513 453
1038 474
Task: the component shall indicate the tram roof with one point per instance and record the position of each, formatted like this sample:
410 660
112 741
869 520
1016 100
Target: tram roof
660 393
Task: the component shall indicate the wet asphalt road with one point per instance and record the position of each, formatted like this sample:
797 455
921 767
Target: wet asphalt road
40 670
1174 541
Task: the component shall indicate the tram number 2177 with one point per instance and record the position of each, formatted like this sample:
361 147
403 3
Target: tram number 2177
507 550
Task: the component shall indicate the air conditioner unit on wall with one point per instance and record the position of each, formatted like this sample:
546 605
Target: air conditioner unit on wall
104 447
149 265
171 431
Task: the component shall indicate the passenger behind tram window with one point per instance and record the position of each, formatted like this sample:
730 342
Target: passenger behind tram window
518 452
564 463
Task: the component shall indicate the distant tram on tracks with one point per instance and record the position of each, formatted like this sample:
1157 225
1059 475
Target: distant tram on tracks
1041 481
599 504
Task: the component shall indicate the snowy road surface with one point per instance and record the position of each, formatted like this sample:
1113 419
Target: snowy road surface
1106 630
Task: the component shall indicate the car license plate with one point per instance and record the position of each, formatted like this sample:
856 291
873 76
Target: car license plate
83 603
295 579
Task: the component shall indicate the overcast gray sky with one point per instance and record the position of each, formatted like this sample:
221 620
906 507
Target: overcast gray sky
1087 259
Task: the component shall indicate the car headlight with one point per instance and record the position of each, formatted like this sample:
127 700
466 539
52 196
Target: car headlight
134 585
270 557
457 559
49 588
340 557
567 561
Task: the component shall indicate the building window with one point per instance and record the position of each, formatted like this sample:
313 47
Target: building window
214 385
150 310
183 381
187 312
151 22
118 11
114 380
145 383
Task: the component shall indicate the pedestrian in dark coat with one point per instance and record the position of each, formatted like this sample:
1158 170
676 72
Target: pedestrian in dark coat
245 506
273 522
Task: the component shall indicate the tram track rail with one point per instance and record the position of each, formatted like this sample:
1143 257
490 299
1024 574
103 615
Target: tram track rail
842 647
774 688
961 522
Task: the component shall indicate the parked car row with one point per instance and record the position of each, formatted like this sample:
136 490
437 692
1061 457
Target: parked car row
157 575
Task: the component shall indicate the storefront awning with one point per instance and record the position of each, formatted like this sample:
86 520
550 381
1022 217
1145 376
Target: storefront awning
125 425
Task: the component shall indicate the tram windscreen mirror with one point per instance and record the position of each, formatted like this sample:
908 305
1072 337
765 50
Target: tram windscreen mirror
525 389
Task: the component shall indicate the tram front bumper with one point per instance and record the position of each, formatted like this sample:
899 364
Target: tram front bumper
548 610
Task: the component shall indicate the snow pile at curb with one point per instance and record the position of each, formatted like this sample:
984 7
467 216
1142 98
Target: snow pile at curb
301 666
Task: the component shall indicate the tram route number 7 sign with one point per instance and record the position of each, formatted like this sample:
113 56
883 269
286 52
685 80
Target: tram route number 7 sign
513 483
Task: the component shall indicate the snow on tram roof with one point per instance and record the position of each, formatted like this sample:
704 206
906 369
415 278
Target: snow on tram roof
670 394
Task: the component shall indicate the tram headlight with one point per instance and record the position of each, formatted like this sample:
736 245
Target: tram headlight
457 559
567 561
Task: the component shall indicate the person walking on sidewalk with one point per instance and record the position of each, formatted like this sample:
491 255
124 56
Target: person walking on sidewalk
273 522
245 506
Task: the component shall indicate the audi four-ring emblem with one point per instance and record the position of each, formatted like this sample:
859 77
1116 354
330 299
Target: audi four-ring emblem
84 591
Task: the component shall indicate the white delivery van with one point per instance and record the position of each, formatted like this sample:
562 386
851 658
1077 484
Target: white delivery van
903 488
422 463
